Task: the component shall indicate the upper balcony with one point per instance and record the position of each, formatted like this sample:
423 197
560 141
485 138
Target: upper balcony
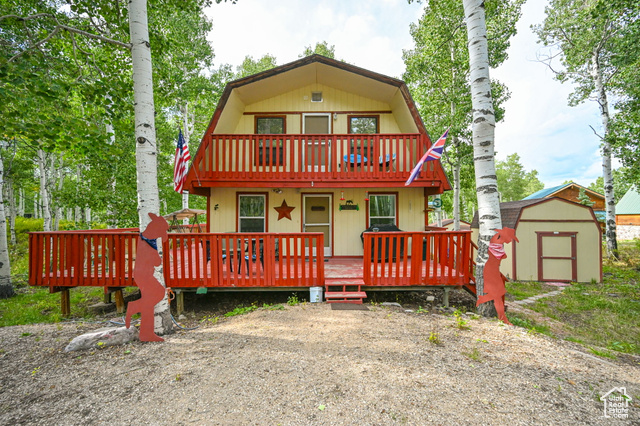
313 160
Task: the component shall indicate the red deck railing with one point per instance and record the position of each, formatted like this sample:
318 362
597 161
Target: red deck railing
107 257
228 260
418 259
350 158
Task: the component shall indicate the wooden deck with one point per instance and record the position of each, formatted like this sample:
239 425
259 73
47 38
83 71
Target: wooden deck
243 260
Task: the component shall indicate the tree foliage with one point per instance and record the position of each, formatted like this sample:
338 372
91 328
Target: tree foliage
514 182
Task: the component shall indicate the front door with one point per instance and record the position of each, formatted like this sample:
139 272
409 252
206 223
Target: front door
557 256
317 218
316 149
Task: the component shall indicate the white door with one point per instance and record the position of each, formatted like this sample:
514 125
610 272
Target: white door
316 150
317 218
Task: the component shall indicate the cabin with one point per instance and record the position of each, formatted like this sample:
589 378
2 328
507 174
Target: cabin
628 215
559 241
296 163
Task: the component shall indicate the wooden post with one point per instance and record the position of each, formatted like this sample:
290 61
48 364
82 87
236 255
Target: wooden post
179 302
107 297
65 303
445 299
119 301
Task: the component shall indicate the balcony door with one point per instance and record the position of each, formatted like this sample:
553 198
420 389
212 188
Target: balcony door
316 148
317 218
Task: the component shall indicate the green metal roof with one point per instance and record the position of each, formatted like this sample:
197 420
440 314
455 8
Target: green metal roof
630 203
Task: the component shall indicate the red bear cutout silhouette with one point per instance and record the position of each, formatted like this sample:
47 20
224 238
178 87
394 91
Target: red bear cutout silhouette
151 291
494 287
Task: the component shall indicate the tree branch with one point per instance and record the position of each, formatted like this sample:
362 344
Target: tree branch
596 133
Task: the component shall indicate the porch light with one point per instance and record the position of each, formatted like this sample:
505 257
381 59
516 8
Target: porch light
277 190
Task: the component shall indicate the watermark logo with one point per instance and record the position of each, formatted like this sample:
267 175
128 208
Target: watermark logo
616 403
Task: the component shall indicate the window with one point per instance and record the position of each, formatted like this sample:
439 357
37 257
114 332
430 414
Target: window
270 151
316 96
382 209
252 213
363 124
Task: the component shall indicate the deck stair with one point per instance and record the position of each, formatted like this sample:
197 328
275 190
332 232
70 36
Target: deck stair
344 291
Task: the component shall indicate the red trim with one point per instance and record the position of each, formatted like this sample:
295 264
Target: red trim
366 224
573 258
376 116
266 208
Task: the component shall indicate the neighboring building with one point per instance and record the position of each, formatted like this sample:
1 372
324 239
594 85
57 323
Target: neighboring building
448 225
628 215
559 241
571 192
317 134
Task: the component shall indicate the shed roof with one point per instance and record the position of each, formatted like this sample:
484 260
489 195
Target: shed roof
510 212
629 203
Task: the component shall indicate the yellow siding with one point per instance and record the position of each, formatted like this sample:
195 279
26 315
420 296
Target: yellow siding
334 100
348 224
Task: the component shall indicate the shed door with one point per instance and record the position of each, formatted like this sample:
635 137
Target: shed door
557 260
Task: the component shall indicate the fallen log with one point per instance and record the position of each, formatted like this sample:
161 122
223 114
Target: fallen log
104 337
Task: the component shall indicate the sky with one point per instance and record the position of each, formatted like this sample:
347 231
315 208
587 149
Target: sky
547 134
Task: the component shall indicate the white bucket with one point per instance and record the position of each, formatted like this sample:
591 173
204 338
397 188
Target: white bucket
315 294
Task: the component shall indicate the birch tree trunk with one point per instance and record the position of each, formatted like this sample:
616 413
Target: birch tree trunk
6 288
111 222
12 210
146 148
609 195
44 195
58 216
483 139
21 203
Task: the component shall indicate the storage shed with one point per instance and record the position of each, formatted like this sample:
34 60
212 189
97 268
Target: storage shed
559 241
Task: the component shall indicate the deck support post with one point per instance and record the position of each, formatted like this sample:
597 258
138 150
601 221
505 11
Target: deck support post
445 299
107 297
120 307
179 302
65 302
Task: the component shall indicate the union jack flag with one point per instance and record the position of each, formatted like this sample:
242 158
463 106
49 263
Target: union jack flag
181 161
432 154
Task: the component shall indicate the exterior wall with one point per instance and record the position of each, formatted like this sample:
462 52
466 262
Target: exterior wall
627 232
294 102
571 193
347 224
628 219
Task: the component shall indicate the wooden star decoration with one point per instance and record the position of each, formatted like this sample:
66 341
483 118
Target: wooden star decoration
284 210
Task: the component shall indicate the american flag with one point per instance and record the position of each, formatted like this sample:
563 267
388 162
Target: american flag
181 161
433 153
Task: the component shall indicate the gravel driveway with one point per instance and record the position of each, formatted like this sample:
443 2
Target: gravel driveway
309 364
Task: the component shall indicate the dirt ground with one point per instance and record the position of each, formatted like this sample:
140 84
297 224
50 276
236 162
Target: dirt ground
310 364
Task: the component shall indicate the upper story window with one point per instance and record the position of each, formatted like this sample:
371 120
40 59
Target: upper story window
382 209
363 124
252 213
316 96
270 151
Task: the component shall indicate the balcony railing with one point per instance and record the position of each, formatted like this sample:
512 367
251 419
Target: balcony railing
345 159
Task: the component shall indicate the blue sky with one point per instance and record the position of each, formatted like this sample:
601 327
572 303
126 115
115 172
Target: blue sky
549 136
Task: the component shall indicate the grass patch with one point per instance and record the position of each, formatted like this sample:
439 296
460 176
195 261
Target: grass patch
529 324
523 290
241 310
33 305
602 314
